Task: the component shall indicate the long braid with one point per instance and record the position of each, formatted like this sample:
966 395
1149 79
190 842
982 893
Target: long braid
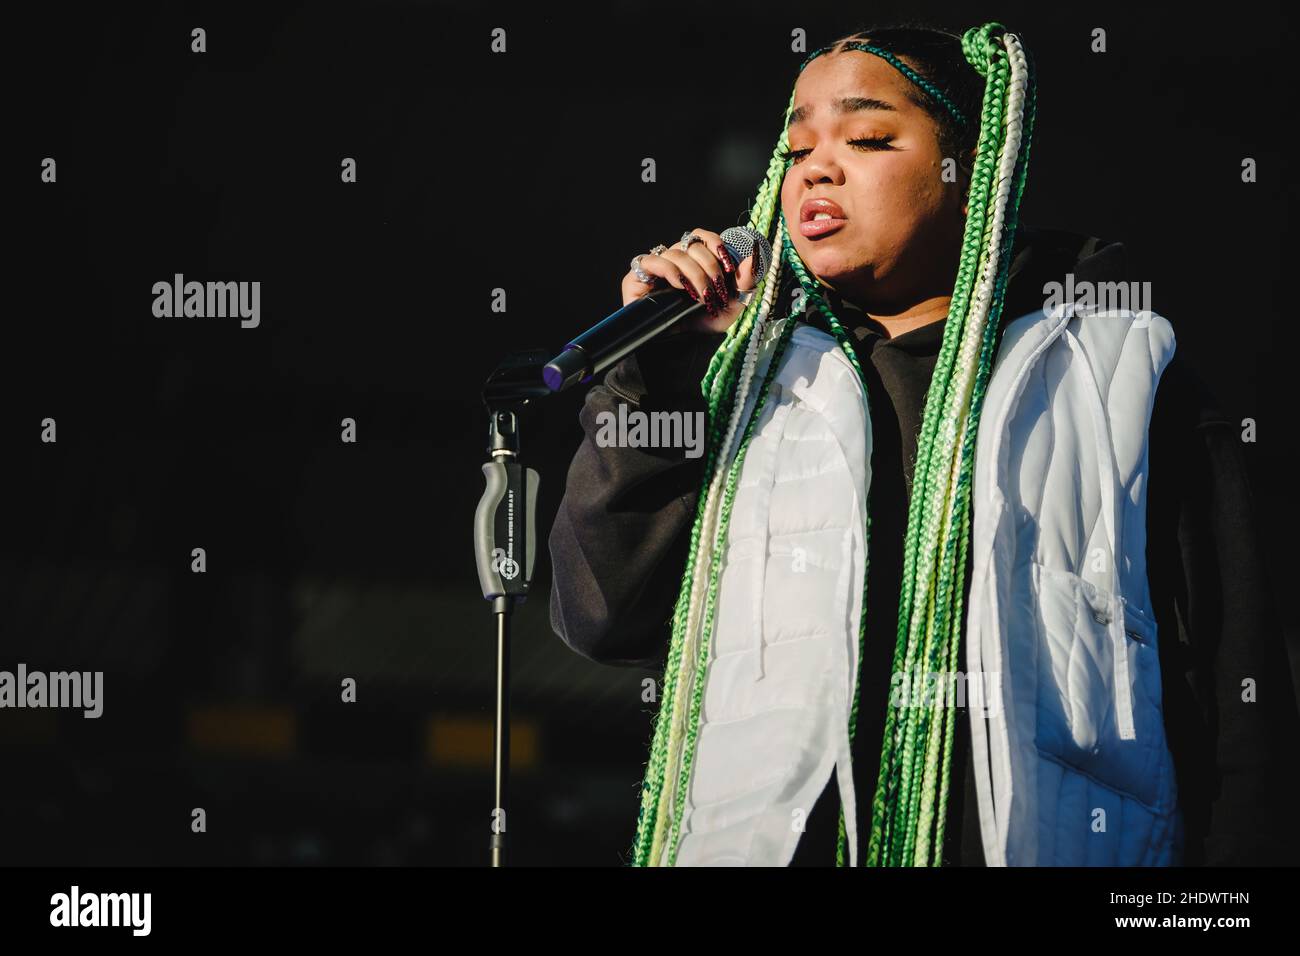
914 754
720 388
704 586
930 484
1021 67
938 519
959 396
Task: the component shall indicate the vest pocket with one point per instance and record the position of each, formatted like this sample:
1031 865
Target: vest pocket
1082 698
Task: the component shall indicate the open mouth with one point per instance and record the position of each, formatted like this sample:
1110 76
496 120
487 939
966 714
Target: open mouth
820 217
821 227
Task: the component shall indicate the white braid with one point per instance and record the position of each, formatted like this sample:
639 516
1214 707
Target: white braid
967 366
704 560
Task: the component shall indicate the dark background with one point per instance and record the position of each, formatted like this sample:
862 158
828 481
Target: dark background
475 171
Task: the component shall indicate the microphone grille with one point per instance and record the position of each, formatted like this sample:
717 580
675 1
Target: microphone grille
742 242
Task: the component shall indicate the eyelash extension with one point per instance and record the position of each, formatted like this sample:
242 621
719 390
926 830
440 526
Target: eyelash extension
876 144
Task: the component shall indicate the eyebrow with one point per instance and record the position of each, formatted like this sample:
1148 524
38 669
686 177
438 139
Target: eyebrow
847 104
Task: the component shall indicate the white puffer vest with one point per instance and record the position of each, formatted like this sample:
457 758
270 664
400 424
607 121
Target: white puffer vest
1070 758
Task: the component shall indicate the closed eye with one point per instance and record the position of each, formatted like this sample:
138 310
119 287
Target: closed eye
867 145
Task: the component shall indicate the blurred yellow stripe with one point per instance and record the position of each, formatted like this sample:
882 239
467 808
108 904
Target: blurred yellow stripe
244 729
467 742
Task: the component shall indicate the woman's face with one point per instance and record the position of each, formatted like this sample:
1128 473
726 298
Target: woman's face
857 141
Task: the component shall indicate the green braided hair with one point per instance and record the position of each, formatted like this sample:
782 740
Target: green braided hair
908 809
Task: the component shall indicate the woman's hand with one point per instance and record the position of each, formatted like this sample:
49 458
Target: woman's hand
703 269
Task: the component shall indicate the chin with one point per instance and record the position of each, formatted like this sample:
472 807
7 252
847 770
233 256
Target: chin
839 246
830 265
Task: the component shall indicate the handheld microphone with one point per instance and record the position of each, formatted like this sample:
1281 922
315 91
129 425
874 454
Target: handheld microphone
639 321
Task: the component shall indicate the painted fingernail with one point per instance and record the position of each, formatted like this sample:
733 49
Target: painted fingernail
725 260
721 285
690 290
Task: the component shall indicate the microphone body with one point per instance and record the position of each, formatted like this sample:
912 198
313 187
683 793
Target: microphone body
623 332
644 318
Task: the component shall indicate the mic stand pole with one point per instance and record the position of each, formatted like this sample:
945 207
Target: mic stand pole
505 543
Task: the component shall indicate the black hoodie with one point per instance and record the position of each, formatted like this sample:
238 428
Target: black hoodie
619 546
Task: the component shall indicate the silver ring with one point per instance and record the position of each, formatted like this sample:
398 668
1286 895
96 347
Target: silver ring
641 274
689 239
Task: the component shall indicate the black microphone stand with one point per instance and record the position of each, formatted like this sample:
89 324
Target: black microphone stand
505 541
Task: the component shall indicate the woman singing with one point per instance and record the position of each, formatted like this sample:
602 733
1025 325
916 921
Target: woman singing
966 573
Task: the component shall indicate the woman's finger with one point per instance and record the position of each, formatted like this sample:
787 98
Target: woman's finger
697 276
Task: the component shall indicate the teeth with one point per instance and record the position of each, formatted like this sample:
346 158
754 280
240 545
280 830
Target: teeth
821 215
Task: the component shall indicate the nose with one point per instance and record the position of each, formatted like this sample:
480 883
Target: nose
820 166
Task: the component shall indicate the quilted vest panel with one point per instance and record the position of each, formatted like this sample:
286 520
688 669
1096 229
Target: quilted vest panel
1071 763
780 678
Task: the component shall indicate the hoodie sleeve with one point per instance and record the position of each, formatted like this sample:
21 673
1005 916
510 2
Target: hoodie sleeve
1230 705
619 541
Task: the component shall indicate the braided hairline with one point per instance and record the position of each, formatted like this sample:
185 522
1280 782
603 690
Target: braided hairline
931 90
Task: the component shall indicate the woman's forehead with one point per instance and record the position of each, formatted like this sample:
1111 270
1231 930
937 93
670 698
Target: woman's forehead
833 78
